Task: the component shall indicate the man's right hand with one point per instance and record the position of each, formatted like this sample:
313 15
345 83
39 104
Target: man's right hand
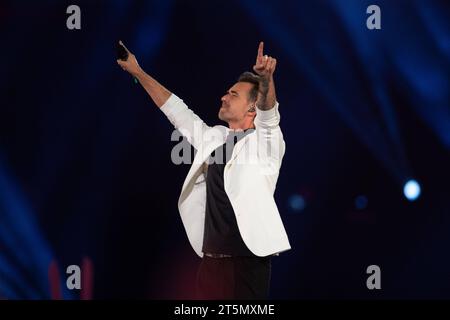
131 65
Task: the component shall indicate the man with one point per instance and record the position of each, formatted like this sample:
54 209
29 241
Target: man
226 203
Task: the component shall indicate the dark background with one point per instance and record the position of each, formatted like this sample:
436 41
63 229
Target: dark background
85 167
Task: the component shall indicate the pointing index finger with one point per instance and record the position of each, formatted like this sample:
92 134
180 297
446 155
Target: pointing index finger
260 49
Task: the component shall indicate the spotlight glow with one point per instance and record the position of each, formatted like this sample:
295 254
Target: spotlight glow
411 190
361 202
297 202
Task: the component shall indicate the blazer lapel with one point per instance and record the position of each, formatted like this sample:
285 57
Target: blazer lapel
239 146
198 167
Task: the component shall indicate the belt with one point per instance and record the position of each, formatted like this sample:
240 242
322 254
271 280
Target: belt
217 255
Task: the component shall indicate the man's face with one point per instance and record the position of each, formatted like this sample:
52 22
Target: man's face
235 103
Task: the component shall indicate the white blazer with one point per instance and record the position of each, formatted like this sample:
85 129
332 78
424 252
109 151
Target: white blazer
250 178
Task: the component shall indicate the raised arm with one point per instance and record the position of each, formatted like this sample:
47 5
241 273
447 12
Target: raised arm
155 90
265 67
271 145
178 113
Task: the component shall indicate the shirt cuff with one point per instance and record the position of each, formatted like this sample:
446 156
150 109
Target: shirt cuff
269 117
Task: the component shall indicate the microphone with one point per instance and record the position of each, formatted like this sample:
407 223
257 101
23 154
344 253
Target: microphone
122 54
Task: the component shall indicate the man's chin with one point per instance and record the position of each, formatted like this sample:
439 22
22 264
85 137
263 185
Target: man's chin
222 116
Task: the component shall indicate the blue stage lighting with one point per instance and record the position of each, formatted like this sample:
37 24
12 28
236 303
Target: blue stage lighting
411 190
361 202
297 202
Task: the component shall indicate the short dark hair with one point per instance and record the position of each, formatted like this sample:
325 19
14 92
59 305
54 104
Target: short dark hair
252 78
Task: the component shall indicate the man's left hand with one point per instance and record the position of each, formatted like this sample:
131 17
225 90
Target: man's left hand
265 65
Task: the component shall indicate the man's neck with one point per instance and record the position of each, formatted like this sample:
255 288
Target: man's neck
241 126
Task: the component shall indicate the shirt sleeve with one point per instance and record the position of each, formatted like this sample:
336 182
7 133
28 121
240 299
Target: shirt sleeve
268 118
185 120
